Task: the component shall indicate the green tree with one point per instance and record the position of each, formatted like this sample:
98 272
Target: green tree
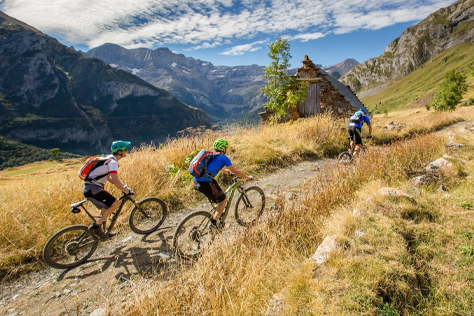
450 94
55 153
282 90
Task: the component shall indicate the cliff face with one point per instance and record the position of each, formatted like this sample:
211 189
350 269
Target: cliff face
219 90
441 30
53 96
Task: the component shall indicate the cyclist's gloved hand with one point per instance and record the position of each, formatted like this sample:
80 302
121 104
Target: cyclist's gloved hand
130 192
249 178
231 174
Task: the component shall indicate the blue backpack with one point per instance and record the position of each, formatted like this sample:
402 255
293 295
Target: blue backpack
198 166
356 117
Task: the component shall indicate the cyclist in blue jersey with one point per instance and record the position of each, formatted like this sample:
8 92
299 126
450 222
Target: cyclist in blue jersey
355 129
210 188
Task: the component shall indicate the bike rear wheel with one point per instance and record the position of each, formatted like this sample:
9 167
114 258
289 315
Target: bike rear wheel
192 235
148 217
70 247
345 157
249 206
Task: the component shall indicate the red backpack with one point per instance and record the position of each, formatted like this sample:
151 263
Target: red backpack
89 165
198 166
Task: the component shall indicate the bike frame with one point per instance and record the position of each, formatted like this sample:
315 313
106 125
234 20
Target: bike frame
124 198
230 189
362 146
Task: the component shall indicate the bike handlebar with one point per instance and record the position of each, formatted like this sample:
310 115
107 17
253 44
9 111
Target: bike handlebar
234 177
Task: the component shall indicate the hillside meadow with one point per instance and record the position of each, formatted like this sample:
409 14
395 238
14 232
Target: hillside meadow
35 205
419 87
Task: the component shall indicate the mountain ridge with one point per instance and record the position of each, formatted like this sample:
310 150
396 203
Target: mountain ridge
223 91
441 30
53 96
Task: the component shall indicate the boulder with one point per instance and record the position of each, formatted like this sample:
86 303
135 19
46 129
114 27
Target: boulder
439 163
387 191
327 246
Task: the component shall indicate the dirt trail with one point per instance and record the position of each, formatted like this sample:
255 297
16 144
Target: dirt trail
126 265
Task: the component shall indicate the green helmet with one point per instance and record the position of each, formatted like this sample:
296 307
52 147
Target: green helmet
119 145
220 144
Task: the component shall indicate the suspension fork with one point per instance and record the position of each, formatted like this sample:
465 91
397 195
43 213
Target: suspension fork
244 197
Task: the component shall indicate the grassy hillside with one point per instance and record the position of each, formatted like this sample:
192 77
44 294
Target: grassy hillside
419 87
13 153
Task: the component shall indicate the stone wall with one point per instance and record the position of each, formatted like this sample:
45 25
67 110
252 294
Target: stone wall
331 99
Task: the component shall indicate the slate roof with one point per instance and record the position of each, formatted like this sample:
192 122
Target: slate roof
344 90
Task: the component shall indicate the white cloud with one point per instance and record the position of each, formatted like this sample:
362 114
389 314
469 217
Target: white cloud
304 37
241 49
209 23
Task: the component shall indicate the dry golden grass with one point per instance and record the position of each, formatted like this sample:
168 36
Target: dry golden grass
240 275
418 121
34 208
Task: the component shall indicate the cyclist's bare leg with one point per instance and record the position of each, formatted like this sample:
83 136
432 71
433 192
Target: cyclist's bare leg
356 150
105 213
220 209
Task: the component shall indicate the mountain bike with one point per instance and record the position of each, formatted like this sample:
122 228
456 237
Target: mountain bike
348 155
73 245
193 234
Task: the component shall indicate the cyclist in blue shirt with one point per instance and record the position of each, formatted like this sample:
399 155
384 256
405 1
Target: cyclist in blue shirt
210 188
355 129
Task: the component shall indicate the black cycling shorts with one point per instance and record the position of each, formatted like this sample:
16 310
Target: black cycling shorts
210 189
102 199
355 134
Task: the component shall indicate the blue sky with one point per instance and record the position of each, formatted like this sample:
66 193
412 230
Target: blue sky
227 32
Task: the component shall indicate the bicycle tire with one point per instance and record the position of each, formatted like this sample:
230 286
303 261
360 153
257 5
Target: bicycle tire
63 246
251 204
345 157
155 210
192 235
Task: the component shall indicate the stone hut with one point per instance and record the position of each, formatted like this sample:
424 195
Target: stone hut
325 94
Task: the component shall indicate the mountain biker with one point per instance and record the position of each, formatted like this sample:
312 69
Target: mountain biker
95 181
355 129
210 188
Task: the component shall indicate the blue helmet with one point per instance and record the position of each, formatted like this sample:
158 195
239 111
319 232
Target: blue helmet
119 145
364 110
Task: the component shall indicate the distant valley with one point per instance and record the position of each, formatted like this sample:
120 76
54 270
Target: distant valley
53 96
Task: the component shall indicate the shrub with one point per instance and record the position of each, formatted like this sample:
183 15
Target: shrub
450 94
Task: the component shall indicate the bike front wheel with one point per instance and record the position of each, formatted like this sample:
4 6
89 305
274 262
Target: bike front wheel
345 157
249 206
192 235
70 247
150 214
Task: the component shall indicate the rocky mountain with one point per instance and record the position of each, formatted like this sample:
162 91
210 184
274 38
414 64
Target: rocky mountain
340 69
221 91
53 96
441 30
